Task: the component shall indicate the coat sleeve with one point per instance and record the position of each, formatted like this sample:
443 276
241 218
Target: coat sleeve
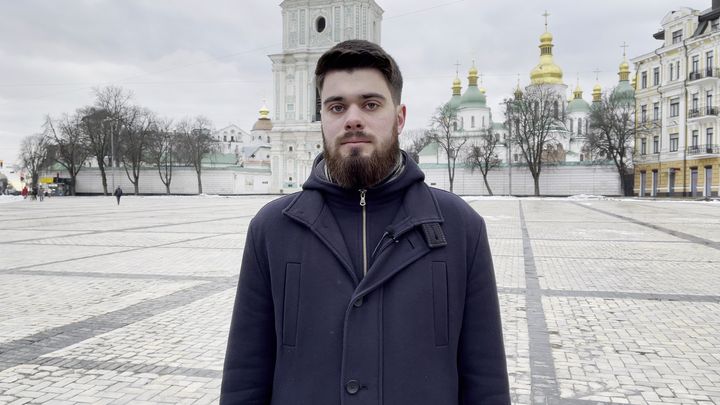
481 353
250 356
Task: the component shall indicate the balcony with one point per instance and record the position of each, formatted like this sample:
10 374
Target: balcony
703 74
703 150
711 112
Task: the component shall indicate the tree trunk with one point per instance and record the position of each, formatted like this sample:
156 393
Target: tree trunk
73 181
536 181
137 188
167 188
199 182
104 179
487 185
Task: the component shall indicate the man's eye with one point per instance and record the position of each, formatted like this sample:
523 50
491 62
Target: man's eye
372 106
336 108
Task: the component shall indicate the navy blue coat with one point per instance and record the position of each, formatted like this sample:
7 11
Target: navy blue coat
421 328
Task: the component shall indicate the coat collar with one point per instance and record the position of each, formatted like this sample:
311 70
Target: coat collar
419 207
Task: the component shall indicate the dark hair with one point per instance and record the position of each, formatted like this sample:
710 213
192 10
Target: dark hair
358 54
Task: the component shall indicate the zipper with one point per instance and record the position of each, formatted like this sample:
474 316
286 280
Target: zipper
363 203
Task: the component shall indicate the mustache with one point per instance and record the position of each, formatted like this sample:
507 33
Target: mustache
353 134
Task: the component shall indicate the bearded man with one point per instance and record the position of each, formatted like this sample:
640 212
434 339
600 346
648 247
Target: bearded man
367 287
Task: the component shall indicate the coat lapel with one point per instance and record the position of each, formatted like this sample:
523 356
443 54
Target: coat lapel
309 208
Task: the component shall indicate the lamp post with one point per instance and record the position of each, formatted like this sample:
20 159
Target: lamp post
509 160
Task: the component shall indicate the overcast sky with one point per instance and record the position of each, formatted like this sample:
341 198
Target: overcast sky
186 57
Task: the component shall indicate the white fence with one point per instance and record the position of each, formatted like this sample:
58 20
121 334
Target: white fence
560 180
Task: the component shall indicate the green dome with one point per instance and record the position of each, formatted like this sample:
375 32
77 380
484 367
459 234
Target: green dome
624 93
455 101
473 98
578 105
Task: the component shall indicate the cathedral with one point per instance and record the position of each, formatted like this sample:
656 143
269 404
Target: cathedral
475 118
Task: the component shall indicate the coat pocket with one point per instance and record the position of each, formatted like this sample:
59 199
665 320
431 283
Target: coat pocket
291 303
440 303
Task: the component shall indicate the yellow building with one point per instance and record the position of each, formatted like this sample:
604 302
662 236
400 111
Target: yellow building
677 152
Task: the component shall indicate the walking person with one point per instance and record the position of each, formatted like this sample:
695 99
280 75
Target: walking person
118 193
368 286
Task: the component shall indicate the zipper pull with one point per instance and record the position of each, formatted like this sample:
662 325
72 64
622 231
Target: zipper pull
362 197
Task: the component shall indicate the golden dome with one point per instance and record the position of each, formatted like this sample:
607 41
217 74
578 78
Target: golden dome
264 112
624 72
597 92
546 72
473 75
546 38
482 90
456 86
578 92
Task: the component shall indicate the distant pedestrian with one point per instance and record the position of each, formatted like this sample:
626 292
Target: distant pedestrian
41 193
24 192
118 193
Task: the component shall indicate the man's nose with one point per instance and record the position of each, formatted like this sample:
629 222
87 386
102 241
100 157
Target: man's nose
354 120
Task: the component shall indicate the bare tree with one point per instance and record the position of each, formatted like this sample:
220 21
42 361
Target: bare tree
69 139
612 132
95 129
110 111
534 119
34 155
413 141
138 126
197 141
444 131
483 157
162 151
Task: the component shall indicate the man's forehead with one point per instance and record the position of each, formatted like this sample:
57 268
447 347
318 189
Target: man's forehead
356 82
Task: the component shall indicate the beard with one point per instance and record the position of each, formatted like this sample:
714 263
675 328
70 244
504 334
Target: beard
356 171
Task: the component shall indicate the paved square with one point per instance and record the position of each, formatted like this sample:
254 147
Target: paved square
603 301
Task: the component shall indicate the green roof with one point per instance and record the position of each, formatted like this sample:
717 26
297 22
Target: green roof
430 150
473 98
219 159
624 92
455 101
578 105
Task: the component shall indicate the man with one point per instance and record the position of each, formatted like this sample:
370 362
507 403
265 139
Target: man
118 193
367 287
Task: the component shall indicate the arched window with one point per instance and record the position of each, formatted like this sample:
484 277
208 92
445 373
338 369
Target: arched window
580 126
556 109
454 125
571 125
483 122
472 121
290 148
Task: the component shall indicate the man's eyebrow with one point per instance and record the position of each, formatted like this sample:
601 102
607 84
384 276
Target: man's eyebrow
373 95
333 99
365 96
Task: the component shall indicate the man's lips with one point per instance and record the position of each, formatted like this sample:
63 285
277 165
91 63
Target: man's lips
353 141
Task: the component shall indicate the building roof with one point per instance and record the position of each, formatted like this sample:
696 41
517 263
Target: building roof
430 150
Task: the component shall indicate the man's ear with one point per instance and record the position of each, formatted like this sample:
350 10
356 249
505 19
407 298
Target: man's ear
401 114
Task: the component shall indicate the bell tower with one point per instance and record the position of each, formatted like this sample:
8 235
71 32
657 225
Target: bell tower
310 27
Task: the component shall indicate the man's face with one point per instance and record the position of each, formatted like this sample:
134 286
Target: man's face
360 125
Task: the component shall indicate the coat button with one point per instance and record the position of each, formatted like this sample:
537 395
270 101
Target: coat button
358 302
352 387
